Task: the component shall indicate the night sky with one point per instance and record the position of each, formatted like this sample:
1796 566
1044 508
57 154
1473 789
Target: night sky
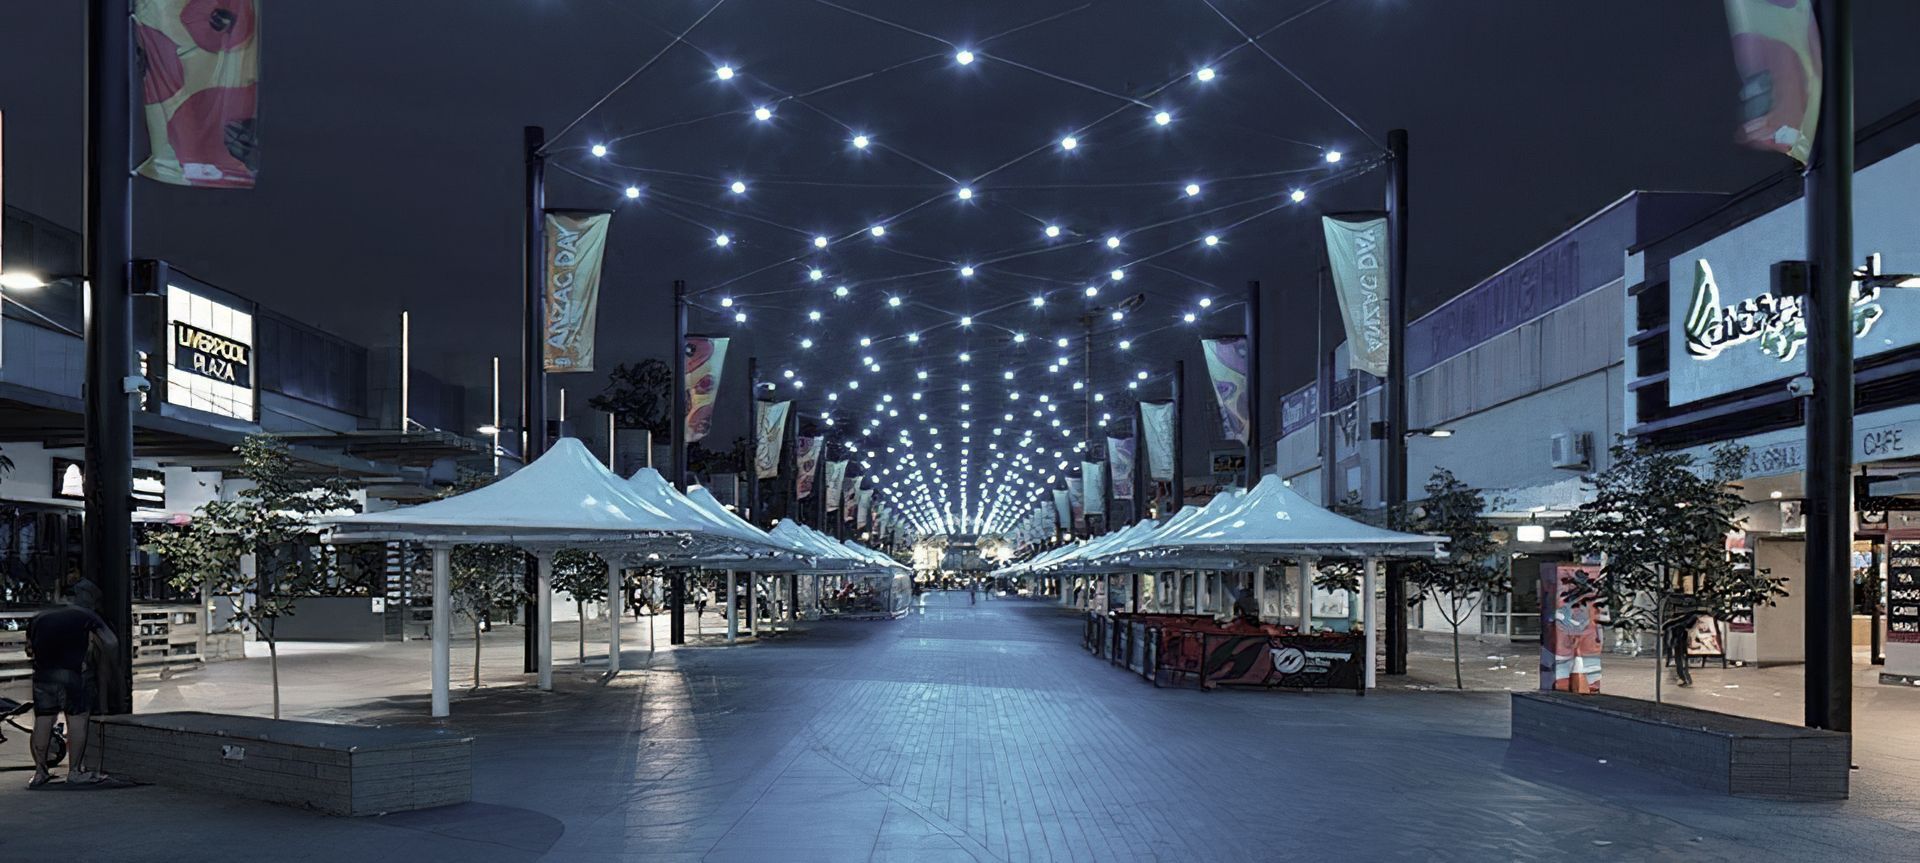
391 169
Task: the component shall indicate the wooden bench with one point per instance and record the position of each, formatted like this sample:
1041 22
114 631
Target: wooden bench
338 769
1730 754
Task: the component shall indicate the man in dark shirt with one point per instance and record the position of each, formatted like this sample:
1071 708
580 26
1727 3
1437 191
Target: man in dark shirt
57 641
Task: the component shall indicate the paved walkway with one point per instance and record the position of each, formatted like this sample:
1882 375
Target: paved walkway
964 732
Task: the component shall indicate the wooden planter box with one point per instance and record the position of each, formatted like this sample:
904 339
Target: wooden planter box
338 769
1730 754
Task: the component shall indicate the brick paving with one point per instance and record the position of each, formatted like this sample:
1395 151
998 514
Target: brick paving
963 732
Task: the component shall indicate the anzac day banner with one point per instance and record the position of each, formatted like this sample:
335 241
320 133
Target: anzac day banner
576 243
1357 255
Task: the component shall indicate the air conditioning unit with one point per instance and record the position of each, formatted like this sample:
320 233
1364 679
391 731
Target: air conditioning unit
1572 450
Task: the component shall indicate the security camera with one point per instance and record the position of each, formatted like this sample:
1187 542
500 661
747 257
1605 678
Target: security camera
132 384
1800 386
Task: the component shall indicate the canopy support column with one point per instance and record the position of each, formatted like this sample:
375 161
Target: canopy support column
1309 572
753 604
1260 591
543 619
442 627
615 607
1369 575
733 614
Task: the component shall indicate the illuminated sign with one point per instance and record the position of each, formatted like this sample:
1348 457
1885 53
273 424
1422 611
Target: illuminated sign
202 353
70 481
1779 324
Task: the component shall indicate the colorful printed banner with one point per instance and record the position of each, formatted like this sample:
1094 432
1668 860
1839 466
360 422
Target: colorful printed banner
806 455
1062 509
1776 47
1227 366
199 78
706 361
576 243
836 477
1158 427
1357 255
1077 499
1093 476
771 417
1120 456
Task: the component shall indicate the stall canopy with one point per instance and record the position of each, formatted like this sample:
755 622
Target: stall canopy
1273 521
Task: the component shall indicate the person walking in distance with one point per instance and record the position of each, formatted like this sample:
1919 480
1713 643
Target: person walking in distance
57 643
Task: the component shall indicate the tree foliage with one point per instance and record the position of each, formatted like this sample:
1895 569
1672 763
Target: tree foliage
272 519
1475 566
1660 520
639 395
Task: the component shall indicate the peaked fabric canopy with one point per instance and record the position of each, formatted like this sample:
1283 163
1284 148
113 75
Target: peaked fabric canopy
565 497
1273 520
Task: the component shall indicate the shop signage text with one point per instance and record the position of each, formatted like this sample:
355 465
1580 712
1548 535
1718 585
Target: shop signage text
1778 323
212 356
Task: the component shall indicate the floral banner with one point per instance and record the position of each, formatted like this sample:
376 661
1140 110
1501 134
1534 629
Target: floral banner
806 457
1776 48
1120 456
1227 366
199 66
706 360
771 420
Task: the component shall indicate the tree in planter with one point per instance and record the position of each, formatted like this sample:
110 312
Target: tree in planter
1473 568
583 575
639 396
1660 521
483 578
273 521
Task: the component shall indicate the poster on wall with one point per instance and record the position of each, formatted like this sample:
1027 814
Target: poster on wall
1569 631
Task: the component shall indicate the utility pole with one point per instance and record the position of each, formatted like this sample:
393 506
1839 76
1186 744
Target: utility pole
1179 496
1396 392
1253 384
1829 307
107 481
750 467
533 370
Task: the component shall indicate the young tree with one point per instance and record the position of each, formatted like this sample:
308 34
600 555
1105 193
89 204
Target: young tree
1660 522
486 577
1474 567
639 396
272 521
583 575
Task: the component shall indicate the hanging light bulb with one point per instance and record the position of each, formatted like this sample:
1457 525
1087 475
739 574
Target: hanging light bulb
1053 230
1212 240
965 193
966 272
763 113
1297 195
878 230
815 274
840 291
633 192
1193 190
860 142
722 240
1069 142
1162 118
964 57
599 151
819 242
1205 73
724 73
1333 156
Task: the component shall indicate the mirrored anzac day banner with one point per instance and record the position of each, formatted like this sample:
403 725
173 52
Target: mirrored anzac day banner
576 244
1158 424
199 80
1093 474
1357 257
1120 456
771 419
706 359
1735 333
1227 367
806 457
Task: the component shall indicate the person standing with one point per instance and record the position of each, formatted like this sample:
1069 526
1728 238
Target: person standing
57 643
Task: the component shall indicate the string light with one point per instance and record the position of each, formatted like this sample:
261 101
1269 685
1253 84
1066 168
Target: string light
1297 195
599 151
1039 301
819 242
1192 190
1212 240
878 230
965 193
1205 302
815 274
739 317
633 192
806 343
738 187
1113 242
813 316
1205 73
1069 142
726 302
966 272
860 142
966 320
1162 118
1333 156
1126 345
722 240
964 57
1117 275
724 73
840 291
1093 290
1053 231
893 302
763 113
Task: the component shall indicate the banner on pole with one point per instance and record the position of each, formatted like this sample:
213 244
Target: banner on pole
771 418
1093 476
1159 433
806 457
1776 48
1227 367
199 79
849 497
836 476
1077 499
863 502
576 243
1357 256
1120 456
1062 509
706 361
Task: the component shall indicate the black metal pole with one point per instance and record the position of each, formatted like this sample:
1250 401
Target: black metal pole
1253 384
751 467
677 463
1323 395
1178 495
1829 304
1396 442
533 371
108 478
1140 463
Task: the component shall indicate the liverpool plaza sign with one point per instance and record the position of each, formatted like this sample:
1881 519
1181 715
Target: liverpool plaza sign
1731 333
208 355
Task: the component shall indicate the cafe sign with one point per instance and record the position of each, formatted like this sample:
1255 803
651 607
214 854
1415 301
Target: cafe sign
202 353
